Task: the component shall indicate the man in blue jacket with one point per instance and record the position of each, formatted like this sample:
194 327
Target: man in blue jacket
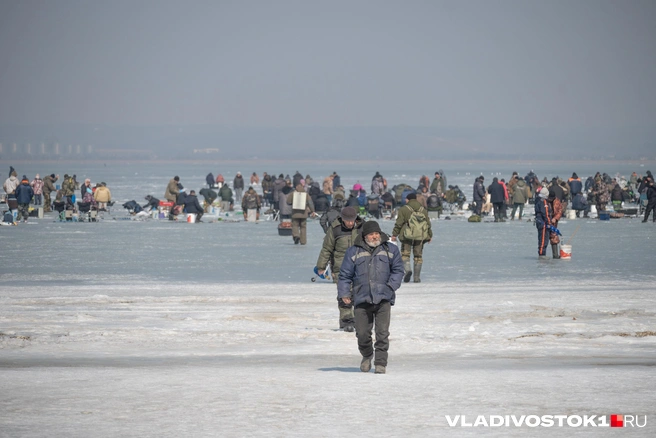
374 269
543 215
24 194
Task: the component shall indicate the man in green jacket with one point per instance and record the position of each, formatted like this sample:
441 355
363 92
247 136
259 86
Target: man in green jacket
416 245
340 235
48 187
68 187
521 194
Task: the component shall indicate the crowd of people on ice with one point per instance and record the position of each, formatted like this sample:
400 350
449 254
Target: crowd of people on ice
436 196
21 194
367 268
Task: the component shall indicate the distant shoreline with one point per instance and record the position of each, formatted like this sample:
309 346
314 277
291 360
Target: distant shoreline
330 162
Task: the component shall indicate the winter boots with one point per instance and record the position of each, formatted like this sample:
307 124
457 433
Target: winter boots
365 365
408 271
380 369
417 278
555 250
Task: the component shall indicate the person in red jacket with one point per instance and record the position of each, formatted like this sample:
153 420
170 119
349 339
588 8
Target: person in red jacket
556 214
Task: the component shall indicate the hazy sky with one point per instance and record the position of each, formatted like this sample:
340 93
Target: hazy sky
501 64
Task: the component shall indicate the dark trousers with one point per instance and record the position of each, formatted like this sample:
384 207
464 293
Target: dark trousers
517 205
543 240
651 206
366 315
479 207
585 211
498 206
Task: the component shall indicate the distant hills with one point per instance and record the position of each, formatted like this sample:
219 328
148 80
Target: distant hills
338 143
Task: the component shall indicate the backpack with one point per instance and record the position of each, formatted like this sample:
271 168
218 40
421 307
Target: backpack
328 218
474 218
372 205
251 201
417 227
433 201
8 218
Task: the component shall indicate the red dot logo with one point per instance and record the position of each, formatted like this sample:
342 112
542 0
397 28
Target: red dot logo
616 420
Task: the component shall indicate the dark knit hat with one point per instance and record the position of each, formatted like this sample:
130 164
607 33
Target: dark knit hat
349 214
370 227
52 175
411 196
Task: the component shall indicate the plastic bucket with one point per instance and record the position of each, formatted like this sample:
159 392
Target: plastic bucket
191 218
565 252
571 214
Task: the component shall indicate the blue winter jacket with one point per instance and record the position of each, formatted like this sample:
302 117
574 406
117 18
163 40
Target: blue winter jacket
543 212
575 186
24 194
479 191
375 275
362 199
579 202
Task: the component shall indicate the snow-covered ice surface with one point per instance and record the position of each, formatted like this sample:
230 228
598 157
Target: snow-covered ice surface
124 328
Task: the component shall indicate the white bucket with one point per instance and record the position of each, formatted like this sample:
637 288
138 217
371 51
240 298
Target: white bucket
593 209
565 252
571 214
191 218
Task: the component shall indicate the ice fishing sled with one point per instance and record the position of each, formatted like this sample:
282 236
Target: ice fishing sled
327 275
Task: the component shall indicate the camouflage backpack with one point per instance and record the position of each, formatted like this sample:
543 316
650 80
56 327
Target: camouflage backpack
474 218
417 226
251 201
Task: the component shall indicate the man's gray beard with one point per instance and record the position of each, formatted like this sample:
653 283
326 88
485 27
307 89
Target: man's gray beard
372 243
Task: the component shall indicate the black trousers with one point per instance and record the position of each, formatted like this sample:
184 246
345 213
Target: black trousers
651 206
479 207
366 316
